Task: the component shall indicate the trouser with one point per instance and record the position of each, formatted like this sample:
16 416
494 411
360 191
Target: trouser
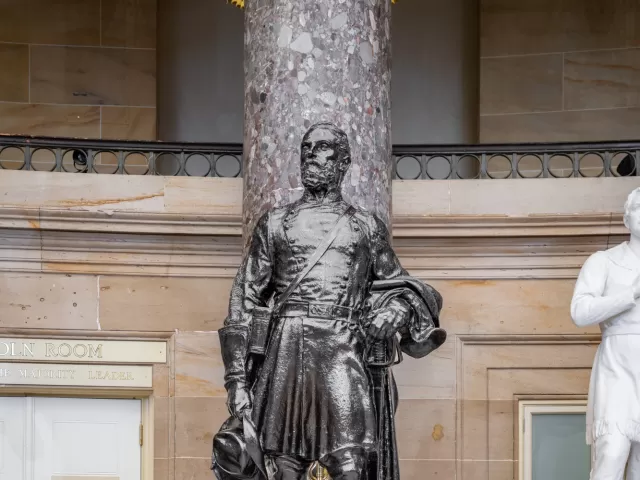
610 454
346 464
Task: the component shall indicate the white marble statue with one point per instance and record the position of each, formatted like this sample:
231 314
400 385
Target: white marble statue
607 293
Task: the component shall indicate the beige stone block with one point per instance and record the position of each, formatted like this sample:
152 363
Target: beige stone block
163 303
14 21
432 377
426 429
193 468
473 435
502 423
531 83
48 301
504 383
106 252
198 419
431 469
118 253
102 76
481 359
66 22
545 26
521 198
633 26
410 197
162 428
603 79
129 123
529 197
198 365
14 74
21 250
161 380
50 120
161 469
127 23
492 470
63 22
507 306
82 192
568 126
204 195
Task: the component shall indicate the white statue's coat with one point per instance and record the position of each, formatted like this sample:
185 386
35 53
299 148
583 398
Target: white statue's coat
604 295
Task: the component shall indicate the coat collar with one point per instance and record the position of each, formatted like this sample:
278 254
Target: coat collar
332 196
624 257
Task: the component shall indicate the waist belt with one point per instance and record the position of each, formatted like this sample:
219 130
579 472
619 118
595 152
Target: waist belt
320 310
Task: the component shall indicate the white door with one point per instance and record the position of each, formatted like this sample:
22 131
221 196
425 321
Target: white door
12 437
69 438
86 438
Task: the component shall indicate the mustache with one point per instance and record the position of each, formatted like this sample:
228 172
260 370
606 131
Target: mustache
310 163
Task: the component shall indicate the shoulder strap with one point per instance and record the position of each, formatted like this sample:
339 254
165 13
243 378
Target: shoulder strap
320 250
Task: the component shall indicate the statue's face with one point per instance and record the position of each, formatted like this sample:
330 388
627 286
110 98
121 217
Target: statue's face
632 217
320 161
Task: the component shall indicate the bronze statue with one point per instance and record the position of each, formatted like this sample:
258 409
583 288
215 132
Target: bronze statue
320 310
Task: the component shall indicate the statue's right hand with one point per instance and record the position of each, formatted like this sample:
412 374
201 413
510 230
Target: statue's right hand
238 400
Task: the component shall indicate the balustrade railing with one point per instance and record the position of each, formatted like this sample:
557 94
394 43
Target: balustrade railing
549 160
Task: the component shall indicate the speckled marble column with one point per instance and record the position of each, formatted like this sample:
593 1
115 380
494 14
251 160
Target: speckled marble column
308 61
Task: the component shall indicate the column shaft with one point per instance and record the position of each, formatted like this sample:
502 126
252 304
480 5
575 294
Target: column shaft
311 61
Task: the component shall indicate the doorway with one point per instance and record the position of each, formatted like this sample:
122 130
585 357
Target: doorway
46 438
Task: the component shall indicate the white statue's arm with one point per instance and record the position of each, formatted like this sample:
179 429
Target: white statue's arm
589 306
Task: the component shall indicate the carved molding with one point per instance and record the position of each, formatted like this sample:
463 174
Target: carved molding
162 244
529 339
493 373
504 226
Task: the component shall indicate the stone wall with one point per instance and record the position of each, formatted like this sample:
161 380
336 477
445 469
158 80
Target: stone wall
139 257
78 68
559 71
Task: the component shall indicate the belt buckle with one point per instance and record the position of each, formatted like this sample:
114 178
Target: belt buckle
320 310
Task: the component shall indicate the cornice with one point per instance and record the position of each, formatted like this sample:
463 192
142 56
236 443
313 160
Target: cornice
176 244
231 225
453 226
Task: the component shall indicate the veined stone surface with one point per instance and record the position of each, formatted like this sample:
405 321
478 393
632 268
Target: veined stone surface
308 62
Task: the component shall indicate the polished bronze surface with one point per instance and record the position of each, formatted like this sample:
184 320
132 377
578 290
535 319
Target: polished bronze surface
320 310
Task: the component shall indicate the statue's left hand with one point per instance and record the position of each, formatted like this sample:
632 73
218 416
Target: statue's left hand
238 400
388 320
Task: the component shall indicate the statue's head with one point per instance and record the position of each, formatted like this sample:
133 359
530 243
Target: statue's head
632 213
325 156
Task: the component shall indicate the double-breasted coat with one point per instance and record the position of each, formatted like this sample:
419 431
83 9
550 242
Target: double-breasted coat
312 395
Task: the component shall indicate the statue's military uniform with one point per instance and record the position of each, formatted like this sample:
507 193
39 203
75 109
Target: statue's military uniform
312 396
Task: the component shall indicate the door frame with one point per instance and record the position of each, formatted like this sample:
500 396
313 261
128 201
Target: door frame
526 410
146 415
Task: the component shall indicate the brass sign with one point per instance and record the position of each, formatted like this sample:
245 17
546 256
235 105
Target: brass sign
82 351
76 375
